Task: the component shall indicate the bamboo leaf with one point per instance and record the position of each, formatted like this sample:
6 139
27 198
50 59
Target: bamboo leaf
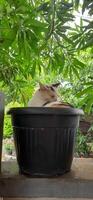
65 72
77 3
21 41
89 43
89 104
85 91
75 71
33 69
78 63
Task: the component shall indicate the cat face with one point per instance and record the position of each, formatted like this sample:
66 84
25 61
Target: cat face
48 93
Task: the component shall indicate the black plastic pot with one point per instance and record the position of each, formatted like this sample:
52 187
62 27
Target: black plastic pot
44 139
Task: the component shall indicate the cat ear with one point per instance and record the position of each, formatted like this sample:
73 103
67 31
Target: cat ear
42 87
55 85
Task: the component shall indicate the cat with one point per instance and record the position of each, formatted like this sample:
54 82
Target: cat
46 96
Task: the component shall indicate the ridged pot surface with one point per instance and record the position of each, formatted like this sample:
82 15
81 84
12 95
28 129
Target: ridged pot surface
44 139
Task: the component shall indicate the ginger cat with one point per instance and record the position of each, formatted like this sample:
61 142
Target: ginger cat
46 96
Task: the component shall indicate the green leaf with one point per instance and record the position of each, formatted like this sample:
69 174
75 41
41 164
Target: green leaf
32 40
89 104
76 36
89 83
78 62
7 33
65 72
89 43
75 71
67 39
36 23
77 4
21 41
33 69
71 73
61 68
60 59
85 91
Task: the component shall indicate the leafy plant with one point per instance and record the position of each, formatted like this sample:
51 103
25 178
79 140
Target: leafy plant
82 148
8 130
91 128
9 148
38 38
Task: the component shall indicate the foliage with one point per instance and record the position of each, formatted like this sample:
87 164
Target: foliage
91 128
82 148
38 38
34 36
8 130
9 148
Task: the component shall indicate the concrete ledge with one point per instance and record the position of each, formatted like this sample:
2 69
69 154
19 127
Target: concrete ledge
43 199
76 184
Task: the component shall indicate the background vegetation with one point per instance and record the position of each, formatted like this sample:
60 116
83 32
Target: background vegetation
47 40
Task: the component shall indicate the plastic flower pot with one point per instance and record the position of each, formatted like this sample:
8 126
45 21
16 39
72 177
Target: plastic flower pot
44 139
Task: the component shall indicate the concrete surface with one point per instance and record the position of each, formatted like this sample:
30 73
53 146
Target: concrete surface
43 199
82 169
77 184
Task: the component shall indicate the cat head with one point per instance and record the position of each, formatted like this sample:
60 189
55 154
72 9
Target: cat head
48 92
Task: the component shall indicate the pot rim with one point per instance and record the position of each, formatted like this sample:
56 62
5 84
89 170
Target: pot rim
44 111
